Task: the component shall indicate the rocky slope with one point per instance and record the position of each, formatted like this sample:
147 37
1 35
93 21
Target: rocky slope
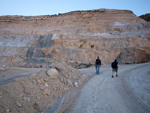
78 36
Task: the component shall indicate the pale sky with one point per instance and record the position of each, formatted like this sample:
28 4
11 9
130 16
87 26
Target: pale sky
51 7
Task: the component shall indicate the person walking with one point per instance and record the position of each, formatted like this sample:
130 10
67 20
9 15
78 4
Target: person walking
114 66
97 65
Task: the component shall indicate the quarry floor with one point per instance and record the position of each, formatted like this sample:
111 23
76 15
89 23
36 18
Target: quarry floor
127 93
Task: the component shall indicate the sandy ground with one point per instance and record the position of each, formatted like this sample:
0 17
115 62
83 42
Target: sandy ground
128 93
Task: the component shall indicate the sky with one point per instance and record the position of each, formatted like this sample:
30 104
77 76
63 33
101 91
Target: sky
51 7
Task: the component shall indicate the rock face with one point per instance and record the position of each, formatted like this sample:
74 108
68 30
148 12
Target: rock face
78 36
126 56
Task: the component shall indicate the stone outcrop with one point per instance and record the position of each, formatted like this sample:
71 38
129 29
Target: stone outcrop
78 36
140 55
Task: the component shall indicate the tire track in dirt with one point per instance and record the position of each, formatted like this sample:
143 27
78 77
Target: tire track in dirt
129 86
90 96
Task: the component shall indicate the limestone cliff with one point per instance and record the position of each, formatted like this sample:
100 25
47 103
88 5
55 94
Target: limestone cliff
78 36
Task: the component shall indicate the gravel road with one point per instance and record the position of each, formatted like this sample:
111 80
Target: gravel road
127 93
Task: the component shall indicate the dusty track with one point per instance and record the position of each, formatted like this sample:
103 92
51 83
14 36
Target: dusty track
128 93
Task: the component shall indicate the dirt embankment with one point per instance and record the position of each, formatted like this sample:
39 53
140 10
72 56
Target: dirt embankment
39 91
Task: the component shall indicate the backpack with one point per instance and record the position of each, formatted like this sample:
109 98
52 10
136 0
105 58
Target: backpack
113 65
98 62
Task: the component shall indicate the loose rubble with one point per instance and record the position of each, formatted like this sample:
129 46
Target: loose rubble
42 89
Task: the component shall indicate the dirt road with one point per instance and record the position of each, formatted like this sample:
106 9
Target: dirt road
128 93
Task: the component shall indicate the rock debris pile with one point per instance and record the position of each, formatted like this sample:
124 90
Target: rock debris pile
41 90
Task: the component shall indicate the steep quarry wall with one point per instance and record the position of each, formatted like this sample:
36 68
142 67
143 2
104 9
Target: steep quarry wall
26 50
78 36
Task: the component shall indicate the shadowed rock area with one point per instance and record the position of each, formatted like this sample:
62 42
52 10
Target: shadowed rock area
146 17
126 56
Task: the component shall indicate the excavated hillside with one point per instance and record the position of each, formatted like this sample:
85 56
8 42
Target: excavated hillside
78 36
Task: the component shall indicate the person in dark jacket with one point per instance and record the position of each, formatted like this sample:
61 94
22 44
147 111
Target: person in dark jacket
114 66
97 65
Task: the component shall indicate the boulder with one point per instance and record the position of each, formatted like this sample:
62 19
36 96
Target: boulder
52 72
76 84
133 55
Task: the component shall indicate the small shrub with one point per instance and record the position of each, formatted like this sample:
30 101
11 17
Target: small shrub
88 65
